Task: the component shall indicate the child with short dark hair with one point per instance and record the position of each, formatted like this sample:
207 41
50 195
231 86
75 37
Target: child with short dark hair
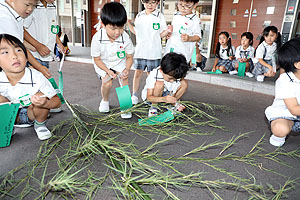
185 28
224 53
244 54
284 113
150 27
265 64
112 51
12 15
166 83
19 83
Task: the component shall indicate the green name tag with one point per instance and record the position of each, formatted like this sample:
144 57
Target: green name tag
182 30
25 100
156 26
54 29
121 54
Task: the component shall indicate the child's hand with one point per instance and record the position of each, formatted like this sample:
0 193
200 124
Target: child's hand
214 69
170 99
43 50
180 108
231 57
124 74
185 37
112 74
37 100
46 72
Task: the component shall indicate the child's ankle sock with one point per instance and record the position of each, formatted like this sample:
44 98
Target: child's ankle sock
135 94
41 130
277 141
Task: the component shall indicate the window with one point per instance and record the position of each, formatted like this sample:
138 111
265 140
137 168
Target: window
232 24
234 36
233 12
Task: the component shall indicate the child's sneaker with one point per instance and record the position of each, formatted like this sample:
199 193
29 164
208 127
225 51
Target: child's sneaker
152 112
42 132
127 115
234 72
277 141
249 74
135 99
260 78
104 106
199 69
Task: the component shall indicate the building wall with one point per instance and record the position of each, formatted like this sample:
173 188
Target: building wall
233 18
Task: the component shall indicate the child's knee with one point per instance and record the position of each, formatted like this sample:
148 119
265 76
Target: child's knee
138 73
222 69
107 84
280 129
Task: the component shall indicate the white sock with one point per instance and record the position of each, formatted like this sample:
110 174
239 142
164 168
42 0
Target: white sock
277 141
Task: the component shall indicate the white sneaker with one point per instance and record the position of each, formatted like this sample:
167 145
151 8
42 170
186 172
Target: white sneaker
127 115
42 132
277 141
152 112
199 69
56 110
260 78
234 72
104 106
249 74
135 99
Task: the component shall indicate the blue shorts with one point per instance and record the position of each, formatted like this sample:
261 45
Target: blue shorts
296 126
142 64
23 117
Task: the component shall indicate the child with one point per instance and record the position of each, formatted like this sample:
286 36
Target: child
186 30
224 53
244 54
12 15
284 113
19 83
150 27
112 51
40 25
166 83
265 53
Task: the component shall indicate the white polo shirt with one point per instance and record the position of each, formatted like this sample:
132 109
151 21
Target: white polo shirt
148 29
190 25
284 89
112 54
156 75
38 25
269 49
32 82
223 52
10 22
244 53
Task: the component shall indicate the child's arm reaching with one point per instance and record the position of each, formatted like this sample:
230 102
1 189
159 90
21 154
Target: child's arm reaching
187 38
293 106
129 61
158 99
130 26
41 48
215 65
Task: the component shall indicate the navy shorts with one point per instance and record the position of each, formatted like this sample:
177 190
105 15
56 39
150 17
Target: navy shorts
296 126
23 117
142 64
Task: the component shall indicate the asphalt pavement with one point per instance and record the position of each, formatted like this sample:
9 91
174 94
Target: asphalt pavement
81 86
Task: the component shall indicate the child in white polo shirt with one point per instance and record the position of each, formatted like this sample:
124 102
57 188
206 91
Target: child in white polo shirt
166 83
186 29
284 113
112 51
42 25
265 64
150 27
26 86
224 53
12 15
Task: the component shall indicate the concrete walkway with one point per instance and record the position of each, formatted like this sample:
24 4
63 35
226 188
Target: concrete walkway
82 54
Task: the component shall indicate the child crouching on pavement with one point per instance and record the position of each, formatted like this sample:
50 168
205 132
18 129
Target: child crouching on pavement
19 83
112 51
284 113
166 83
